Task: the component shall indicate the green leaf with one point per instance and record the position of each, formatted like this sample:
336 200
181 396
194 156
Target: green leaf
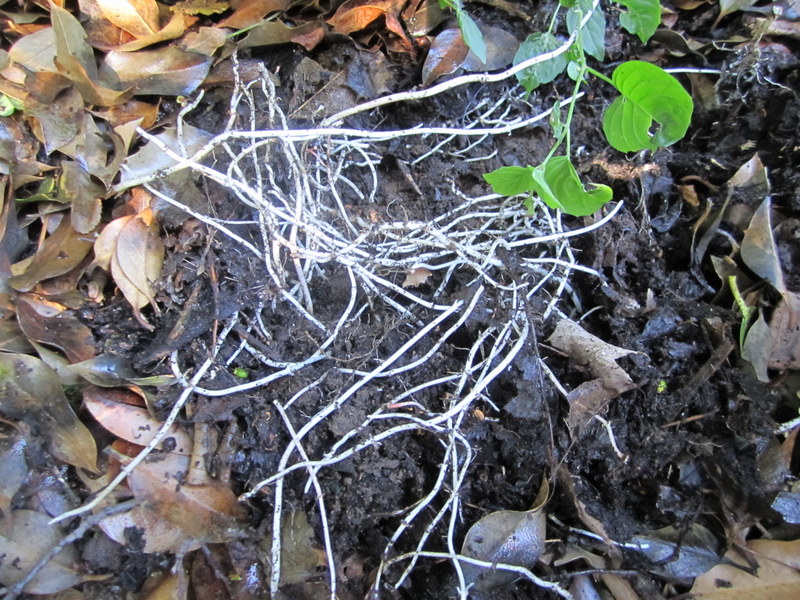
536 45
557 183
472 35
649 95
510 181
642 19
594 32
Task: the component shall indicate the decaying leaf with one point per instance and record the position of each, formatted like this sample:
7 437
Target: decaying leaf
32 393
448 50
132 250
251 12
50 323
416 277
778 574
300 558
25 536
677 554
114 410
13 469
168 71
511 537
61 252
759 252
785 334
599 357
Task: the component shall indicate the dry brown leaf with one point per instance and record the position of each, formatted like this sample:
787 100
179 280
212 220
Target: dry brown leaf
26 536
355 15
777 576
131 423
599 357
207 513
168 71
13 469
32 393
448 50
250 12
137 17
416 277
785 334
758 250
175 27
61 252
50 323
271 33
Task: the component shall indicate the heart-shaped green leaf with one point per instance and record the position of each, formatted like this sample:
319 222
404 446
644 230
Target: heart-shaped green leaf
510 181
557 183
642 17
650 96
535 45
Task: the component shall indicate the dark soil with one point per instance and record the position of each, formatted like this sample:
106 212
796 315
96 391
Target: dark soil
693 433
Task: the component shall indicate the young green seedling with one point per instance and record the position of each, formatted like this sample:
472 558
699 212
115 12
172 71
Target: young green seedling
652 111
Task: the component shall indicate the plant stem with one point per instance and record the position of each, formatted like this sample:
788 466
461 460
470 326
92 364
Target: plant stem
599 75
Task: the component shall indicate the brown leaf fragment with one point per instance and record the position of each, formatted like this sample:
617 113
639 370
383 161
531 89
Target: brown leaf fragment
272 33
785 334
446 54
36 51
32 393
611 380
251 12
175 28
208 513
137 17
84 196
416 277
758 250
71 41
58 120
50 323
26 536
61 252
168 72
355 15
777 575
111 408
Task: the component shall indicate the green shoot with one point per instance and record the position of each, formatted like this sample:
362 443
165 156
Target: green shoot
473 37
653 110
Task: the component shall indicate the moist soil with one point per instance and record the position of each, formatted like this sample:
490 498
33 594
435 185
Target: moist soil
689 438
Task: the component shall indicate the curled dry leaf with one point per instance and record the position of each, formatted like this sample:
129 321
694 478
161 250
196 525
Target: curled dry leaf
416 277
32 393
168 71
131 249
113 409
511 537
174 514
777 576
60 253
51 323
26 536
251 12
759 251
599 357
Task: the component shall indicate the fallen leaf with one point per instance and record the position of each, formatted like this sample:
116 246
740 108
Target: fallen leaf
758 250
271 33
785 334
13 469
251 12
61 252
505 536
777 575
169 71
32 393
50 323
727 7
132 250
677 554
611 380
131 423
448 50
26 536
416 277
137 17
355 15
